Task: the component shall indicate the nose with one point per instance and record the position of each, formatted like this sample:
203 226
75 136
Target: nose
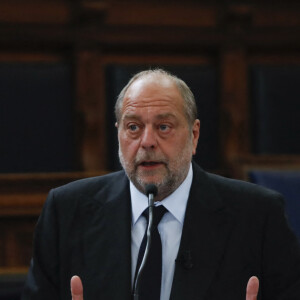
149 140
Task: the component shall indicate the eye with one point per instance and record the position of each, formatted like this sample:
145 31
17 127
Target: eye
164 127
133 127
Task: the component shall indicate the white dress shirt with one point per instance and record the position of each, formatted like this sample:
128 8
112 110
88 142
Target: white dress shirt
169 228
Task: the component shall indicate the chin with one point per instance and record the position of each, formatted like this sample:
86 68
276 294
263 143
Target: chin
142 182
151 180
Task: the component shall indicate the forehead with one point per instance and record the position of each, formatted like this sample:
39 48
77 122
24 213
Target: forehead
153 93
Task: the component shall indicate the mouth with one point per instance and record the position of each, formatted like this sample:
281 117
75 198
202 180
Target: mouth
150 164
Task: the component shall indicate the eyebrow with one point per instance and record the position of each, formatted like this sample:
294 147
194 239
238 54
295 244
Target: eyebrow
165 116
158 117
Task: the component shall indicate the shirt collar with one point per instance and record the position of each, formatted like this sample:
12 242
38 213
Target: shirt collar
174 203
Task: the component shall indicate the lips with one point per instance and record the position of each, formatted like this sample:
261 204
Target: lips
150 163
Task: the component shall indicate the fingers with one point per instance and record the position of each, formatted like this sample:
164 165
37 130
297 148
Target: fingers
252 288
76 288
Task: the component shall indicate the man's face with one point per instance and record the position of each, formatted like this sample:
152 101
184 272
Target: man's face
156 143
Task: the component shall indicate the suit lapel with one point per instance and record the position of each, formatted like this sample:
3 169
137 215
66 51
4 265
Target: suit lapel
106 232
107 242
205 232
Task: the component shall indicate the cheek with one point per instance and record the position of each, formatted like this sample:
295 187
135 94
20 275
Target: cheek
186 145
128 147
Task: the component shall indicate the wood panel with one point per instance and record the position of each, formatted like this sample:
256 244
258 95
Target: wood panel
119 23
242 165
162 14
277 16
91 106
235 132
16 241
35 12
21 200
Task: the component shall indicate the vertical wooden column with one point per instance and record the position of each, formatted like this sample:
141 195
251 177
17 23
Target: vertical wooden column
91 106
235 135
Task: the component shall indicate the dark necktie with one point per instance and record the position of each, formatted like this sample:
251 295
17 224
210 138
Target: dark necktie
150 281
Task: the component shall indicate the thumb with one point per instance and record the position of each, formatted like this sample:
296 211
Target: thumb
252 288
76 288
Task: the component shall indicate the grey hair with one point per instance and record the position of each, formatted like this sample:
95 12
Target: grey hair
187 95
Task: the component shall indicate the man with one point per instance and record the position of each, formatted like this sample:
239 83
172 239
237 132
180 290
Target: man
215 235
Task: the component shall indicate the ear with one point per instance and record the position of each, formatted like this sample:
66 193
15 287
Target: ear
195 135
116 125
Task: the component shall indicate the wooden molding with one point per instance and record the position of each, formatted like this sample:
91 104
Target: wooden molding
241 165
25 194
234 119
35 12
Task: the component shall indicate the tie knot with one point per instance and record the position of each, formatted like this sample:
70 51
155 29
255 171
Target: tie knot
158 213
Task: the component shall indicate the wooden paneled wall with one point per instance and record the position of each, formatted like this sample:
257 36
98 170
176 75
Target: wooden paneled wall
92 34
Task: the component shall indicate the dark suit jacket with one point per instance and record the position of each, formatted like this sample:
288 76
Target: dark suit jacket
232 230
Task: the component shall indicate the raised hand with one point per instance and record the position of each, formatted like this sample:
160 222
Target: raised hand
76 288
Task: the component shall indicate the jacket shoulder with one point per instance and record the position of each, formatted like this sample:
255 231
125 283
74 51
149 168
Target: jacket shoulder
90 183
242 191
88 188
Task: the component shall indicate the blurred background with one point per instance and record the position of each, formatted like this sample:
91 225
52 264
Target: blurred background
63 63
